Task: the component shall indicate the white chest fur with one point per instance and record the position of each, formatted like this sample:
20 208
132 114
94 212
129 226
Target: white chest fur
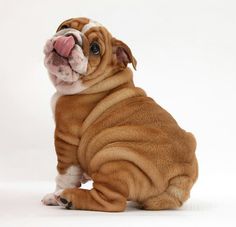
72 178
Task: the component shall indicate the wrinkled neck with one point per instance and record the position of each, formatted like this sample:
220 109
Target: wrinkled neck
114 81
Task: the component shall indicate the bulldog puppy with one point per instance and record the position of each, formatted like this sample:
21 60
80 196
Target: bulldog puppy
110 131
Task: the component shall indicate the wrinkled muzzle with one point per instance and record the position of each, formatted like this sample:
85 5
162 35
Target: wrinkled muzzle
64 57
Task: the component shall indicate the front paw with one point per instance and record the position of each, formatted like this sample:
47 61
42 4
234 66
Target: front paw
63 200
49 200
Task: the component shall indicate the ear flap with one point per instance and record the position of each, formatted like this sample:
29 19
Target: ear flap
123 53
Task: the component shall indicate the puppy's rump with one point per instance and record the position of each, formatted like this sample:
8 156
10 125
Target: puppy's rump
138 143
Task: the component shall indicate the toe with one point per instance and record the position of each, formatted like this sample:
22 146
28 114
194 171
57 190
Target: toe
49 200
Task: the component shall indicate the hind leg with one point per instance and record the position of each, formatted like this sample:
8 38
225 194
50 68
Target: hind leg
107 194
95 199
173 197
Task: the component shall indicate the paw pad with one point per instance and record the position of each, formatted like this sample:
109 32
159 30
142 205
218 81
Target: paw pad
65 203
69 205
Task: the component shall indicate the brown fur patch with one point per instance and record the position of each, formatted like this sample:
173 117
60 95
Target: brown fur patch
130 146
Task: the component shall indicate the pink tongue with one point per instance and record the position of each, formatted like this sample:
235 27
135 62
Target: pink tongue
63 45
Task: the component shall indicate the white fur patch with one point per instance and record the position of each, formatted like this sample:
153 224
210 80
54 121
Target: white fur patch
65 75
78 61
70 179
49 199
91 24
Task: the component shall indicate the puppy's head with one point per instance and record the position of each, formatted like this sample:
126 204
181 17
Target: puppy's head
83 53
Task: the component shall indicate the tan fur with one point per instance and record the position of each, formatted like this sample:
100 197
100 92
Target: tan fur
130 146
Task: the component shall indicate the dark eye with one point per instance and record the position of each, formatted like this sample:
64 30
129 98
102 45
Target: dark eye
64 27
94 48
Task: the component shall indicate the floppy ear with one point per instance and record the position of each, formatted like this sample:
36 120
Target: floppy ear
123 54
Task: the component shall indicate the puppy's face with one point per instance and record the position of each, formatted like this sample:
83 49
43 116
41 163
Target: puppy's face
83 53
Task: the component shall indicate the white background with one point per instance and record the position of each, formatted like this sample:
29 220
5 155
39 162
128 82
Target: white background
186 53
